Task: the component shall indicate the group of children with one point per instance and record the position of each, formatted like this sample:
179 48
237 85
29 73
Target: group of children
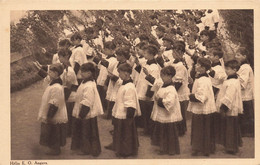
149 83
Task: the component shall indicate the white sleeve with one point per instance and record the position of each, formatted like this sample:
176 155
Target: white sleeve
154 71
79 57
111 65
243 74
71 77
88 97
201 93
168 101
55 59
56 95
179 77
220 74
129 98
229 96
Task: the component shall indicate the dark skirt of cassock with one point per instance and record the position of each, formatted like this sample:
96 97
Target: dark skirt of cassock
145 120
102 95
165 135
125 138
53 135
230 133
202 133
217 129
246 120
110 105
181 125
69 106
85 136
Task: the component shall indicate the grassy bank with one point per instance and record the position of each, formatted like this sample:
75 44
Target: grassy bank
24 73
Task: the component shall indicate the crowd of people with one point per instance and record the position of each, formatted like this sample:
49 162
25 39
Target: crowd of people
148 75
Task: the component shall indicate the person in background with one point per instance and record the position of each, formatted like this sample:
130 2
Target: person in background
77 57
53 112
106 64
166 114
229 104
85 134
122 55
147 77
202 106
70 84
125 138
63 44
246 77
217 75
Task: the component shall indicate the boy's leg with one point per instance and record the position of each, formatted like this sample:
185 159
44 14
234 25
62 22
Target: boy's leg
148 107
247 119
69 106
110 107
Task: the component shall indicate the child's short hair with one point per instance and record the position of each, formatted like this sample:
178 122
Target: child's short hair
143 37
169 39
179 45
204 62
173 31
218 53
89 30
64 42
141 45
110 45
58 67
123 51
89 66
233 64
151 49
168 70
64 52
160 28
76 36
154 42
243 51
205 33
125 67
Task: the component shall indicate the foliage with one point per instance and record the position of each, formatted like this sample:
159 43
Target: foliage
240 24
42 29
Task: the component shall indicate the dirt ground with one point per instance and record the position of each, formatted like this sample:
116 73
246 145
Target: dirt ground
25 132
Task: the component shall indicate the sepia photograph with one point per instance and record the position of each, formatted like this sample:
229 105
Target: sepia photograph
132 84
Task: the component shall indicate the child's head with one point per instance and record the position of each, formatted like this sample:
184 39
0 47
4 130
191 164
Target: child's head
215 56
76 38
144 38
167 42
178 49
64 55
55 70
231 67
89 33
167 73
109 48
160 30
124 71
122 54
203 64
241 54
150 51
88 70
64 44
139 48
204 35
